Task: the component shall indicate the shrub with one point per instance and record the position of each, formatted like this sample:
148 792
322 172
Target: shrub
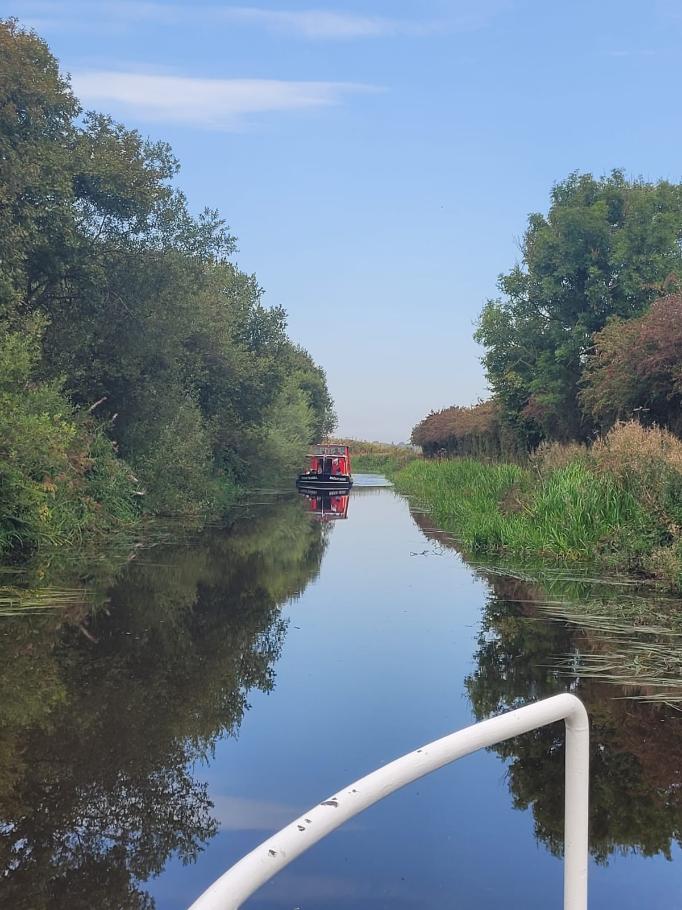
636 366
476 431
59 476
551 456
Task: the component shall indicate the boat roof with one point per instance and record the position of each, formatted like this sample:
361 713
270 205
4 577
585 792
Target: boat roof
329 450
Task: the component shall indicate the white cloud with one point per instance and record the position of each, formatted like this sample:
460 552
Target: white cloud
212 103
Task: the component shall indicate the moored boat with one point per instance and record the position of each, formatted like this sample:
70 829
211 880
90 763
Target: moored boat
329 469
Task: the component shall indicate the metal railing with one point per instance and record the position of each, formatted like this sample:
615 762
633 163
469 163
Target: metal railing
238 883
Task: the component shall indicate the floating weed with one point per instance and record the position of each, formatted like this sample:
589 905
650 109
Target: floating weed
636 644
17 601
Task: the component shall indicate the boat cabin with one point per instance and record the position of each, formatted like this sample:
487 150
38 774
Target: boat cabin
330 460
329 467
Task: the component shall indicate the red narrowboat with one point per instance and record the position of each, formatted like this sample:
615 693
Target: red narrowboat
329 469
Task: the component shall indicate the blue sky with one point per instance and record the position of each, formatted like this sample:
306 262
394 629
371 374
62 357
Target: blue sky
377 160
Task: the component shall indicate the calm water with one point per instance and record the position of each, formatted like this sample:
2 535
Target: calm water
209 691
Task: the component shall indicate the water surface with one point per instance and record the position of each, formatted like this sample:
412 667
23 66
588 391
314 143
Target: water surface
223 684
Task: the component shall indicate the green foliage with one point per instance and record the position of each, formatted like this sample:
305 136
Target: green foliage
146 322
59 476
279 448
605 249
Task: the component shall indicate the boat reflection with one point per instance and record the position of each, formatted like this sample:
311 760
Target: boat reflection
327 506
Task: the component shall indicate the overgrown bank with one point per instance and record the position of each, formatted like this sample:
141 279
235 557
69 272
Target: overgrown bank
378 457
140 372
617 503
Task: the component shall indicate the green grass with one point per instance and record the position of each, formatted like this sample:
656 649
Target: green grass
463 497
386 464
569 514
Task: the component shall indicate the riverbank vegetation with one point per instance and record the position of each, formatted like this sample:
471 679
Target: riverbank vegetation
377 457
606 251
140 371
617 502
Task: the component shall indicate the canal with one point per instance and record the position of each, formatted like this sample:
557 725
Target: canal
199 696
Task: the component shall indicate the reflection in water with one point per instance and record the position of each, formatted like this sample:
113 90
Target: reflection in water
326 506
104 714
636 755
110 706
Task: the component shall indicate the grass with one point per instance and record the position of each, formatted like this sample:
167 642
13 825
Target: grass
605 505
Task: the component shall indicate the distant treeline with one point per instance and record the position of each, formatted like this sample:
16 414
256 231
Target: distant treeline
139 368
588 328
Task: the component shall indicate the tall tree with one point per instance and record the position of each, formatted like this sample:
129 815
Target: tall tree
606 248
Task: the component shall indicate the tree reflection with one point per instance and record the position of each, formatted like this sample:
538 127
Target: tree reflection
104 715
636 746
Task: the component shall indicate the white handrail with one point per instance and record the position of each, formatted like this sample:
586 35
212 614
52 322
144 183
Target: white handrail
238 883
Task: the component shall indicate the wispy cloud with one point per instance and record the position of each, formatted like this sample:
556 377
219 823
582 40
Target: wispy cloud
326 24
210 103
311 24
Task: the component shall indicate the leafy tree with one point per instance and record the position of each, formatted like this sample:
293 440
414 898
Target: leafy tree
636 368
144 317
60 478
605 249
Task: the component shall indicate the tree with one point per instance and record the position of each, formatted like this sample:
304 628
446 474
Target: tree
635 368
142 311
605 249
475 431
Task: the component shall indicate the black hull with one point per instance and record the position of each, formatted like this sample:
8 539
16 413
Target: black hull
319 482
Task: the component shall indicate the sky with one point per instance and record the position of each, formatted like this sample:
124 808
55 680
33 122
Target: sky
378 160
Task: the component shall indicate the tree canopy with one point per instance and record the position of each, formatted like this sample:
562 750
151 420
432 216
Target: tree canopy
607 248
559 341
139 313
